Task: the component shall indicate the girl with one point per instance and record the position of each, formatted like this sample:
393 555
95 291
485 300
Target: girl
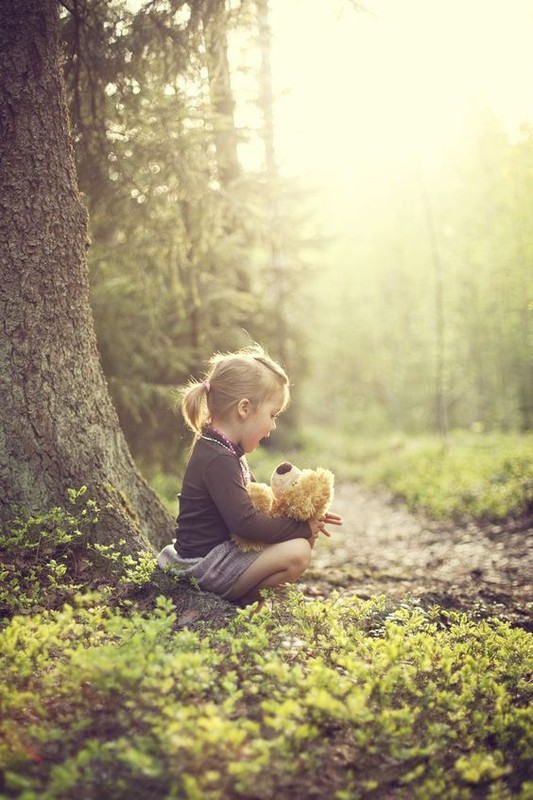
230 412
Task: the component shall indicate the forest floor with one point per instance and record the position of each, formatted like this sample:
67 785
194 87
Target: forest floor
484 569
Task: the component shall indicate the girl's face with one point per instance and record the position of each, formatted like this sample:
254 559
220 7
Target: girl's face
258 422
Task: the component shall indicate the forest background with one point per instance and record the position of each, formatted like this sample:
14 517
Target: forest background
398 302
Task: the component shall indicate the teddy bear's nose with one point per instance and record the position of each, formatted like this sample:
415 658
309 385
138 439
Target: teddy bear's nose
283 468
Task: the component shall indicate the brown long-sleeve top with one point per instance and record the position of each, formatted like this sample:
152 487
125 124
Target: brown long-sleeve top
214 502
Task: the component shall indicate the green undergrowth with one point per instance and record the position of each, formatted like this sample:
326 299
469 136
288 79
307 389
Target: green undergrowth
47 558
338 698
486 477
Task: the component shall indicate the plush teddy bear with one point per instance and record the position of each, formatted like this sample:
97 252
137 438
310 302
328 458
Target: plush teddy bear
301 494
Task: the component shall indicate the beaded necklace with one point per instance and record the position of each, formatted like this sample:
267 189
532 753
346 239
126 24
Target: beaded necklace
227 444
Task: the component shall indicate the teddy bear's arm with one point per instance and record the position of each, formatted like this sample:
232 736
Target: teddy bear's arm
261 496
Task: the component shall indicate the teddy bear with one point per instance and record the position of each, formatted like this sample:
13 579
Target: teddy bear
301 494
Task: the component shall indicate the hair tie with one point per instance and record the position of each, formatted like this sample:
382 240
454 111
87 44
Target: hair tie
207 386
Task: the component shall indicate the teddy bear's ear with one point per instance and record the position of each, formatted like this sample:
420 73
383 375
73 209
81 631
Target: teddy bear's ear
284 467
261 496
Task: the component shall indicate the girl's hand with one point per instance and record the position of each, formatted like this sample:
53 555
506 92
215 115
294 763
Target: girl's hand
319 525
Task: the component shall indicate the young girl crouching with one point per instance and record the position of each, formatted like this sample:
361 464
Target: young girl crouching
230 412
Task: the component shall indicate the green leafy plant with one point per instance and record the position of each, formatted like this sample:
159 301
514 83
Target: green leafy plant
42 556
484 477
35 552
126 568
348 697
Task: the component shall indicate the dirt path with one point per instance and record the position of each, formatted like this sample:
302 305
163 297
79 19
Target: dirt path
383 549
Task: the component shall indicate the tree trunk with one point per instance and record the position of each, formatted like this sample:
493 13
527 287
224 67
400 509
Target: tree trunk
59 429
222 103
266 93
441 400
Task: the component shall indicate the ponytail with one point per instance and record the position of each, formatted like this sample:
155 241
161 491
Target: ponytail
194 405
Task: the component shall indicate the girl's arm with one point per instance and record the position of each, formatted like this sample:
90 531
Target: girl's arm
224 482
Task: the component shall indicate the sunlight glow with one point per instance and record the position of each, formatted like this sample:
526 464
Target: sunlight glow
360 93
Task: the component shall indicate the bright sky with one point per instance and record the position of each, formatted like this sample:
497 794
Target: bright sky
359 92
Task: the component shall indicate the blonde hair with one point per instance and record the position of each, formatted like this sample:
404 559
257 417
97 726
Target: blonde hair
247 373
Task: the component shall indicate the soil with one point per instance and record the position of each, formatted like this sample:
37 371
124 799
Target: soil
485 569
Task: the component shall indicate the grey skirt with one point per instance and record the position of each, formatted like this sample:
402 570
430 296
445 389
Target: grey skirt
216 572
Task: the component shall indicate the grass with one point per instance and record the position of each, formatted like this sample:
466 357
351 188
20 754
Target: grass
339 698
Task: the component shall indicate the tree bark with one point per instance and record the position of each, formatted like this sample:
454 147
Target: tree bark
58 428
